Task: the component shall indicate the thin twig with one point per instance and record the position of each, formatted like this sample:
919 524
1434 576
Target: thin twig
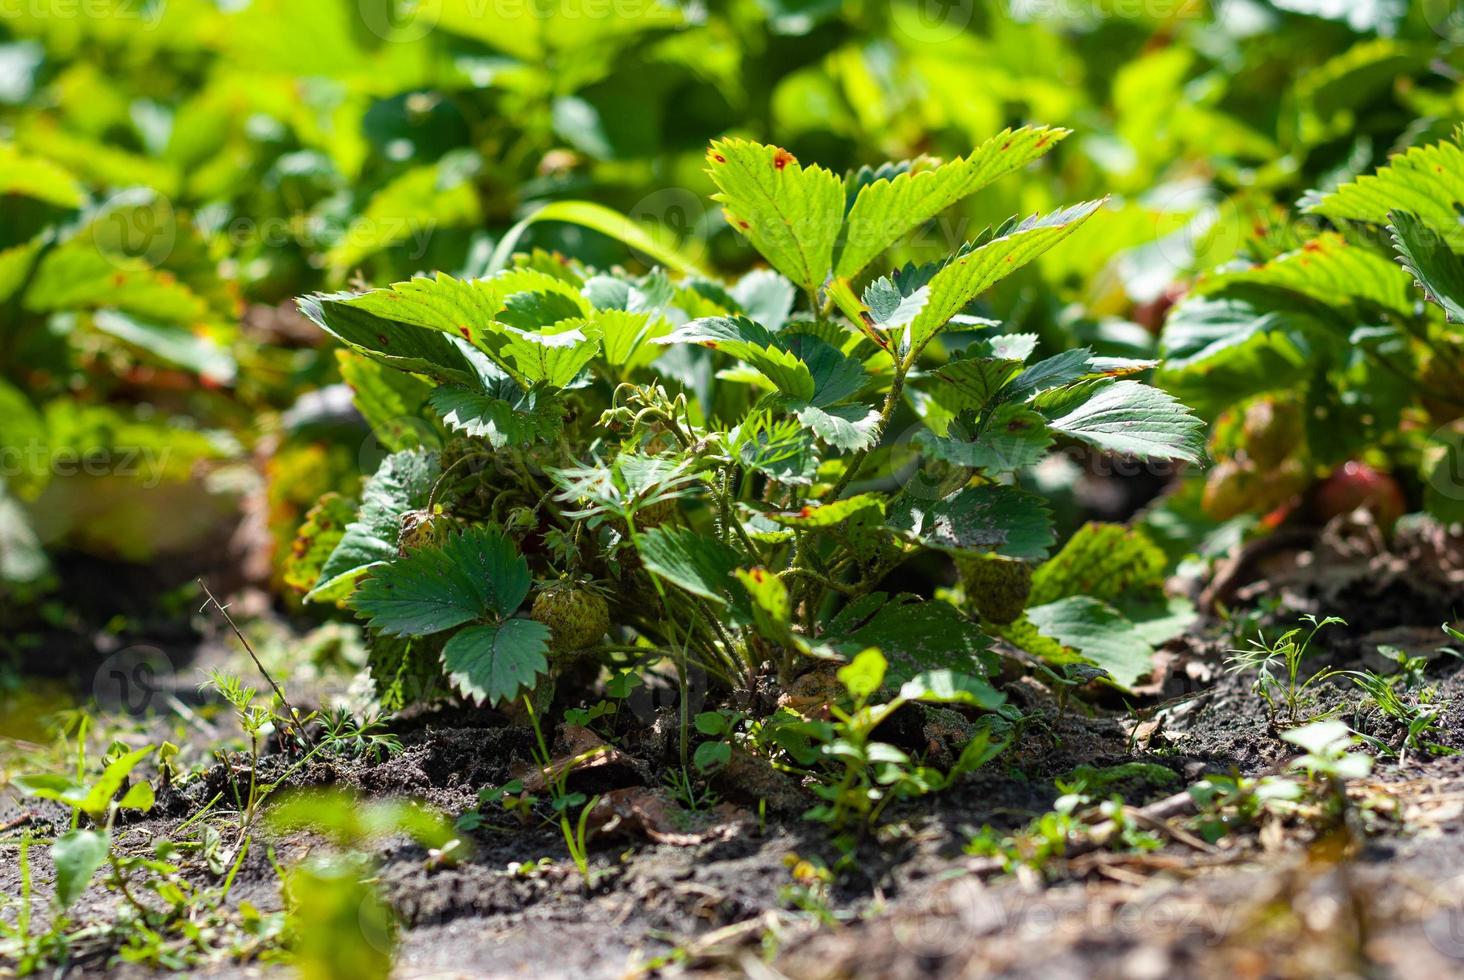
19 821
279 691
1170 830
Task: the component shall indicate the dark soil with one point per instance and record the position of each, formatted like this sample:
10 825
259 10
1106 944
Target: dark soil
1381 895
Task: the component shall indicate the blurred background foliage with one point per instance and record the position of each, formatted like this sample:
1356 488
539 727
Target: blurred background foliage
174 172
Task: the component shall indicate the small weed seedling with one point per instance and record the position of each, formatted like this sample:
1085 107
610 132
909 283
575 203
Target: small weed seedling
808 892
363 738
1227 804
512 797
1285 656
82 851
866 775
258 718
1329 762
1419 714
1043 844
179 926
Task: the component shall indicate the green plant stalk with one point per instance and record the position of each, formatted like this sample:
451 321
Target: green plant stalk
801 559
574 836
23 914
576 840
892 400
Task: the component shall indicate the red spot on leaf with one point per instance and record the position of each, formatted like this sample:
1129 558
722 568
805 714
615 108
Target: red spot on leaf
119 279
381 338
805 512
467 334
743 224
1007 145
712 344
719 158
759 576
1312 247
1042 142
781 159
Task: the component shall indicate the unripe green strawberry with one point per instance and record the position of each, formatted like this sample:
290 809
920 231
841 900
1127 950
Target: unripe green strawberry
453 452
1239 486
1272 430
1444 395
576 616
1229 488
649 516
997 588
655 514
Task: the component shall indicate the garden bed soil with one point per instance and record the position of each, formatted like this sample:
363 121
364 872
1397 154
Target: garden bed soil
1380 894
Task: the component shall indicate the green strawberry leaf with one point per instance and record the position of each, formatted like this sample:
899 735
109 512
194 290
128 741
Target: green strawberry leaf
404 346
475 575
790 213
497 663
1427 180
1107 561
316 540
916 637
1134 419
889 207
1330 270
950 687
1098 633
754 345
967 276
1015 437
389 400
1438 270
993 518
554 356
847 427
38 177
772 608
690 560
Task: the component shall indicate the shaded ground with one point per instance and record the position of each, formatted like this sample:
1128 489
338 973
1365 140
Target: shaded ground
1380 894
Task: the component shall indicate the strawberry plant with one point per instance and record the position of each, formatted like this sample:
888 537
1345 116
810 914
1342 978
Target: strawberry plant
701 472
1333 360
